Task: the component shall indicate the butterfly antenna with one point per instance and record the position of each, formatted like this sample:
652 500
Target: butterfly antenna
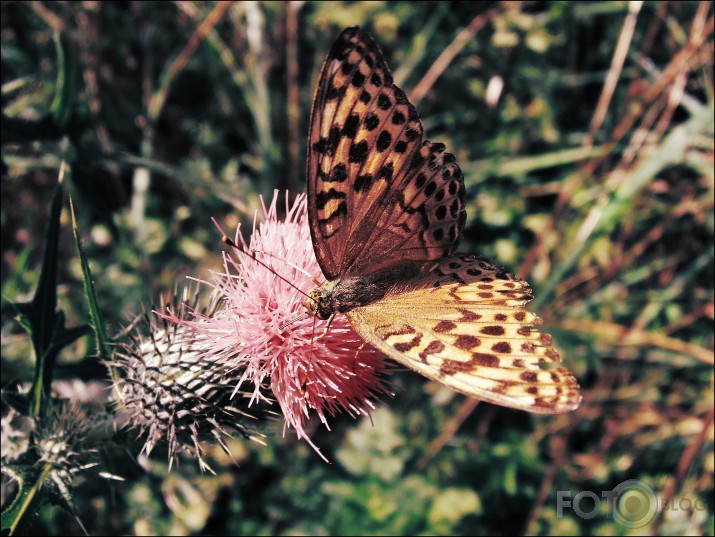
227 240
313 278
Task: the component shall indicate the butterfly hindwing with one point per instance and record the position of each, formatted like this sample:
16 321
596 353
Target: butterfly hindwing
378 191
462 323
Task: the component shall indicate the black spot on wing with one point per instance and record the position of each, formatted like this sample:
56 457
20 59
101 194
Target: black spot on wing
358 79
371 121
358 152
352 124
383 141
322 199
338 174
363 183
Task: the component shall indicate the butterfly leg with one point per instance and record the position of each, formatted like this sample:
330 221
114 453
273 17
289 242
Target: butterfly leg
327 327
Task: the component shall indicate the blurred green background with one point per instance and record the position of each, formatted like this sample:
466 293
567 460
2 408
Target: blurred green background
590 174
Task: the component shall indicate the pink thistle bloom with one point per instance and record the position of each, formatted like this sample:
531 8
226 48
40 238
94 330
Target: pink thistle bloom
263 329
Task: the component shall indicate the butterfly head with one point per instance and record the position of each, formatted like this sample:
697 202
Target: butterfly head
320 301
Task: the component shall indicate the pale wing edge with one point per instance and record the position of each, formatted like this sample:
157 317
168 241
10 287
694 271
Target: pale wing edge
490 385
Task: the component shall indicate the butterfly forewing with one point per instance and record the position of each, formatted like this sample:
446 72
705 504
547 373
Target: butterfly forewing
378 192
463 324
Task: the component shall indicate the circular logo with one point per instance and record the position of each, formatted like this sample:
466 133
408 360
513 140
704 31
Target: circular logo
634 504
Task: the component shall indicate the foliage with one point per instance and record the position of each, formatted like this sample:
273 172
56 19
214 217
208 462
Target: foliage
591 177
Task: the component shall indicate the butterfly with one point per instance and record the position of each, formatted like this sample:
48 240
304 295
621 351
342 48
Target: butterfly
386 214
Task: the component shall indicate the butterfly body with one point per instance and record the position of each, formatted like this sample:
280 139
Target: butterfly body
386 213
345 294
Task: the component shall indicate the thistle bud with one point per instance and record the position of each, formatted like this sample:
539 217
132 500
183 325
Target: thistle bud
171 388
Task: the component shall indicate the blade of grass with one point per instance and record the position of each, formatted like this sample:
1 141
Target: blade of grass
63 103
625 336
518 168
614 73
448 54
420 44
100 335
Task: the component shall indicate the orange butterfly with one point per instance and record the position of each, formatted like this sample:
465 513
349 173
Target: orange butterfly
386 212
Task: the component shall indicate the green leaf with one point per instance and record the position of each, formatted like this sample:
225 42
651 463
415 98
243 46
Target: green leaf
41 315
100 334
41 319
29 479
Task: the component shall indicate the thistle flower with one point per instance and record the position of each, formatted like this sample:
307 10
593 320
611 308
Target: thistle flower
263 329
169 388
